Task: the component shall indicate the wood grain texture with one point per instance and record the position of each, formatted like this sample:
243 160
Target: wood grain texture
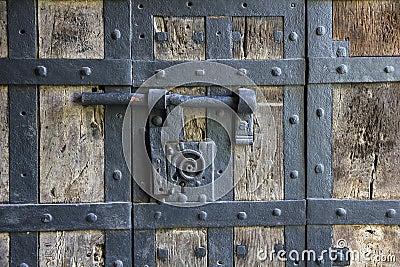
3 29
366 162
181 245
4 249
372 27
71 136
259 168
180 45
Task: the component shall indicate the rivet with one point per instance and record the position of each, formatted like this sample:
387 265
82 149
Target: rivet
182 198
242 72
241 251
320 112
319 168
321 30
341 51
46 218
202 198
294 174
390 213
200 72
389 69
41 71
242 215
277 212
160 73
157 120
23 265
276 71
116 34
118 263
91 217
202 215
86 71
342 69
161 37
157 215
117 175
200 252
198 37
294 119
162 253
293 36
341 212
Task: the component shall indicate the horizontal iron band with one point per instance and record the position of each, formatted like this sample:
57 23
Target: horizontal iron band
341 211
183 8
66 71
261 72
354 70
52 217
220 214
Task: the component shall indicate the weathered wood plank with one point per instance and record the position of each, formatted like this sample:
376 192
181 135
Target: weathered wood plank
181 245
372 27
3 29
71 136
258 171
180 45
365 161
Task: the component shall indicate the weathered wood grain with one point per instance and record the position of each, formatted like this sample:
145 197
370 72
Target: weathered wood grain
366 161
181 245
372 27
3 29
180 45
259 168
71 136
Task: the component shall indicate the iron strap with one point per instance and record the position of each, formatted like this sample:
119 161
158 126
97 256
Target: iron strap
221 214
66 71
341 211
52 217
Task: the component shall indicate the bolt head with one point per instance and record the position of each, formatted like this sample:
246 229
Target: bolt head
202 198
320 112
161 37
321 30
389 69
157 120
46 218
182 198
341 51
241 251
91 217
86 71
293 36
118 263
391 213
202 215
41 71
277 212
342 69
242 72
162 253
294 174
276 71
242 215
157 215
341 212
23 265
116 34
200 252
294 119
117 175
319 168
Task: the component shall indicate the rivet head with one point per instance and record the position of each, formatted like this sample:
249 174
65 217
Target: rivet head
277 212
202 215
341 212
86 71
341 51
319 168
321 30
294 174
118 263
294 119
91 217
157 215
276 71
182 198
117 175
389 69
41 71
202 198
342 69
390 213
46 218
116 34
200 252
241 251
157 120
242 215
162 253
161 37
23 265
293 36
320 112
242 72
200 72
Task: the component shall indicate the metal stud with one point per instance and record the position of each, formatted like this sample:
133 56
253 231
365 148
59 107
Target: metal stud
91 217
200 252
321 30
116 34
319 168
390 213
341 212
23 265
160 73
320 112
161 37
389 69
182 198
341 51
46 218
202 198
342 69
294 174
41 71
117 175
242 72
118 263
277 212
157 215
293 36
241 251
162 254
276 71
86 71
294 119
202 215
242 215
157 120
